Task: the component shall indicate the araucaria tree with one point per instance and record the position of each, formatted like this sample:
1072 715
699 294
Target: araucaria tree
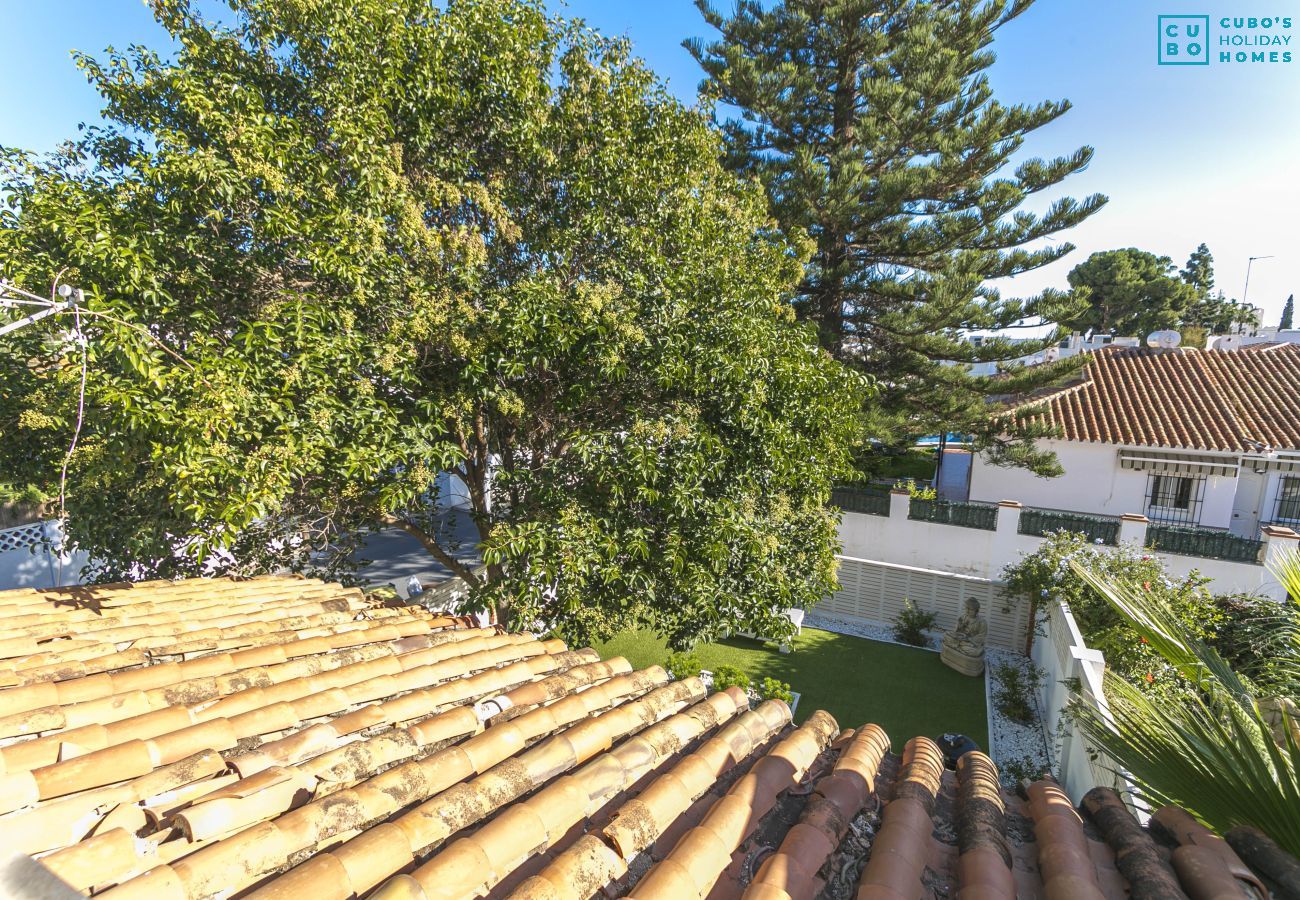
388 239
873 128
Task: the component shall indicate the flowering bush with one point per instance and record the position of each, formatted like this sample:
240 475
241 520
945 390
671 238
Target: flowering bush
1045 574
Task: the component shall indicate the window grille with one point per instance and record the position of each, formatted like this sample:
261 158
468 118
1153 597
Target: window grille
1288 500
1174 498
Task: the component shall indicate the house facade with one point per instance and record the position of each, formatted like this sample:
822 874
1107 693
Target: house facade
1206 439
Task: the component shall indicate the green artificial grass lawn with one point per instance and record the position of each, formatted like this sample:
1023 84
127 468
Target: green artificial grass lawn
903 690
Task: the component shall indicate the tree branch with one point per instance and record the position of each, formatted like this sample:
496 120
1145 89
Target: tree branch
438 552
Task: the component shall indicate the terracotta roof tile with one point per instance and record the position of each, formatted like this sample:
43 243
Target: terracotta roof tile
1187 399
310 743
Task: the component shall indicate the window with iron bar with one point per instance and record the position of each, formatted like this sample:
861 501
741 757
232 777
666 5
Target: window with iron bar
1288 500
1174 498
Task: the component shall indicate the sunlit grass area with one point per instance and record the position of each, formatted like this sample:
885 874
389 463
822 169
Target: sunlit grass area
904 690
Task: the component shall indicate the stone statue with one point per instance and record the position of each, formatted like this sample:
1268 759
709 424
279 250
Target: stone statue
963 647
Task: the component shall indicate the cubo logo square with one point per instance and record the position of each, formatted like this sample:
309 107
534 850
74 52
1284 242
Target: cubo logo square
1184 41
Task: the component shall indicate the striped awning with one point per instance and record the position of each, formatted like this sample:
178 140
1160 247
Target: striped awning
1272 463
1178 463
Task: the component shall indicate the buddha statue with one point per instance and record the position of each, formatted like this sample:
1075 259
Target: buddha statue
963 647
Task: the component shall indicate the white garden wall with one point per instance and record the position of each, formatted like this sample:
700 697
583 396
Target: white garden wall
1066 660
897 540
25 561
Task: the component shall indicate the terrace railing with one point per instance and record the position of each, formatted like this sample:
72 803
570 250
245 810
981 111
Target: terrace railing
1042 522
870 499
954 512
1204 542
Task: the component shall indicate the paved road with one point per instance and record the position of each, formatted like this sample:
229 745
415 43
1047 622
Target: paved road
394 556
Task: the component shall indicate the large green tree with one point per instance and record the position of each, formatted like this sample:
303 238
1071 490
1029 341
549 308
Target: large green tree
333 249
1288 314
1129 292
874 129
1210 312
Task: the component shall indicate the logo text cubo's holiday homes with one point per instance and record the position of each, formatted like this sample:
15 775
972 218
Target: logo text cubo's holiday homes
1195 40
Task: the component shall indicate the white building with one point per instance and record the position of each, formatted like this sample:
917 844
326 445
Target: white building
1067 347
1199 438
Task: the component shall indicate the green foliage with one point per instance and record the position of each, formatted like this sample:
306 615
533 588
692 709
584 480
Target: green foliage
1131 292
912 624
772 689
729 676
873 127
683 665
1210 747
28 494
391 240
1047 573
915 490
1015 691
1128 292
1020 768
1288 314
917 463
1199 271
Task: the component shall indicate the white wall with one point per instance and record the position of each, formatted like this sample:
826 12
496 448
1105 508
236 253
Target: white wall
1093 483
26 563
1066 660
898 540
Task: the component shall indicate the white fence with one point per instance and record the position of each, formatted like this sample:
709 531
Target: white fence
27 562
875 591
983 553
1069 663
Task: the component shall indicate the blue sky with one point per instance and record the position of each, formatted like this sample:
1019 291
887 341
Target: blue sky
1186 154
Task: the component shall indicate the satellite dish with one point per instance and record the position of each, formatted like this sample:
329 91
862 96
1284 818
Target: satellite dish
1164 340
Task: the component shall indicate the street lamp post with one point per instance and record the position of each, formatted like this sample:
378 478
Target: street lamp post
1245 291
1250 262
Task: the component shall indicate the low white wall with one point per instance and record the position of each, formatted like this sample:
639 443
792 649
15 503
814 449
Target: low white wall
898 540
1066 661
25 561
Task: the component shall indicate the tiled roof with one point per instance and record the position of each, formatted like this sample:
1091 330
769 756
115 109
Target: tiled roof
1192 399
280 738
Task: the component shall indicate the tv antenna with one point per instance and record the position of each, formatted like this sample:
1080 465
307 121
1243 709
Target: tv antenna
16 298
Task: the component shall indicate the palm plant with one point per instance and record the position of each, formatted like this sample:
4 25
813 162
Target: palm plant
1216 753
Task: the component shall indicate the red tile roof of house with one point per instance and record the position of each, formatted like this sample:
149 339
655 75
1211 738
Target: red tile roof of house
280 737
1191 399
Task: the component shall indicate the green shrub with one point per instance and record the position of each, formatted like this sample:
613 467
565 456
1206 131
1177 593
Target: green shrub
912 624
916 489
1045 575
729 676
771 689
1014 694
682 665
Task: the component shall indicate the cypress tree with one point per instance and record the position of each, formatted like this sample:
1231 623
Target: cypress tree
874 129
1288 314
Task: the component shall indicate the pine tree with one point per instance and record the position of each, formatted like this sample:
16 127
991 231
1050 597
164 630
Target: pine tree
1288 314
873 127
1209 312
1199 271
